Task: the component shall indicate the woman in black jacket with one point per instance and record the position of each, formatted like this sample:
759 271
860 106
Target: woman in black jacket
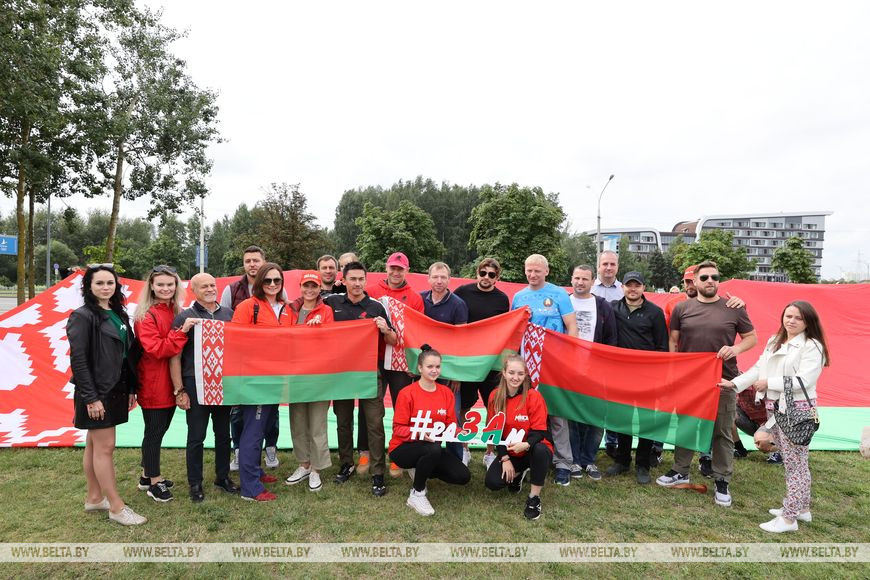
100 337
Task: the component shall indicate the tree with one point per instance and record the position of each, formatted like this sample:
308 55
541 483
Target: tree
715 245
512 222
662 273
157 123
579 250
796 261
287 232
61 254
630 261
407 229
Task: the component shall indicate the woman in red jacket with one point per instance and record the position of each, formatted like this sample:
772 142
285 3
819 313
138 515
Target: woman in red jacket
265 307
308 420
415 451
523 409
160 302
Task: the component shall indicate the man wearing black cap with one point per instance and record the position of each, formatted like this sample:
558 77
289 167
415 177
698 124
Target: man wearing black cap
640 325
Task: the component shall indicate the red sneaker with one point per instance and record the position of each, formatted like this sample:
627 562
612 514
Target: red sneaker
264 496
266 478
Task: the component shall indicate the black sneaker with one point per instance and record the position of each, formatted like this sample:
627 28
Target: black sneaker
517 484
610 450
706 467
739 450
344 473
655 457
159 492
145 483
379 488
533 508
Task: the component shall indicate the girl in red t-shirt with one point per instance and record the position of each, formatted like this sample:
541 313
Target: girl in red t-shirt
524 409
414 450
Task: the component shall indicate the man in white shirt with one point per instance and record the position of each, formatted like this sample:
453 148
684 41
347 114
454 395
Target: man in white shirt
607 286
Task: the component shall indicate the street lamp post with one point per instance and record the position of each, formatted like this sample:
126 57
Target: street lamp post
598 233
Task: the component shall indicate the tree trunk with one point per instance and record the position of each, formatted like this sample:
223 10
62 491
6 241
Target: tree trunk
116 205
29 252
19 214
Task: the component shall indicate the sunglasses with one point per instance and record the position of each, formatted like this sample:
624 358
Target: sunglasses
271 281
163 269
703 277
98 266
484 274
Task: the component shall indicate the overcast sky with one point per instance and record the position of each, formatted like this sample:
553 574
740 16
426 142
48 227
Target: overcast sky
697 108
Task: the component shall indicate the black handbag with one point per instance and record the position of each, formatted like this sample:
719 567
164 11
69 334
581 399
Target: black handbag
798 425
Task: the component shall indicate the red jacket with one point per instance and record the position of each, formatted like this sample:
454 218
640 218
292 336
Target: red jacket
160 342
244 314
405 294
320 309
531 416
413 399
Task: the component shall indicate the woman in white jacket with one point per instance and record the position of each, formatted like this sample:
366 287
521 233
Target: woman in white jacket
798 349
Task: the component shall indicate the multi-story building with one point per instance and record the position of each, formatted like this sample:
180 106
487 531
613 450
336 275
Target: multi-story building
760 234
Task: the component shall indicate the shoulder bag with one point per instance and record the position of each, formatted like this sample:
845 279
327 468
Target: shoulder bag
798 425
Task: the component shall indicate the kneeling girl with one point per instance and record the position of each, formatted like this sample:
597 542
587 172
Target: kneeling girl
421 456
524 409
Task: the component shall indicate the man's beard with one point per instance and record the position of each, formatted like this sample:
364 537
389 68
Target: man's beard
708 292
691 291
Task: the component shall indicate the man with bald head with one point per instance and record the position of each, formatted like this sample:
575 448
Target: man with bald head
181 370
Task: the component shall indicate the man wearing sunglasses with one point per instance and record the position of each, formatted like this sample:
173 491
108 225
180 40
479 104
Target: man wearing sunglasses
484 301
706 324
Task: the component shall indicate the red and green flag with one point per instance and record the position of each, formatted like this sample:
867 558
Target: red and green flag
662 396
468 352
239 364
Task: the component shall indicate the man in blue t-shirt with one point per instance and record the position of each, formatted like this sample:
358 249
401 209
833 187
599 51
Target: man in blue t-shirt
551 308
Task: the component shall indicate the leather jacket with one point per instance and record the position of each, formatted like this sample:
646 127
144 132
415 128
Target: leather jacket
97 355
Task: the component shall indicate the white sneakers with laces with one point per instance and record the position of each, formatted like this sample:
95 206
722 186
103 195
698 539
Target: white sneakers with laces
300 474
127 517
778 525
272 457
420 503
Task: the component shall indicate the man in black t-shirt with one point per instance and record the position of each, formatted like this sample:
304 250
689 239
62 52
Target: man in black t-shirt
484 301
355 305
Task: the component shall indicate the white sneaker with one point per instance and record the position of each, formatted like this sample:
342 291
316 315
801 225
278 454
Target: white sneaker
412 473
314 483
100 506
466 456
722 496
488 458
672 478
127 517
778 525
420 503
299 475
272 457
804 517
234 461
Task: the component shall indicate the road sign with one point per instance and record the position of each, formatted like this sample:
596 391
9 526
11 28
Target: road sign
9 245
206 257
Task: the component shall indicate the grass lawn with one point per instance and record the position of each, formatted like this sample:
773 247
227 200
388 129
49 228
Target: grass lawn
43 491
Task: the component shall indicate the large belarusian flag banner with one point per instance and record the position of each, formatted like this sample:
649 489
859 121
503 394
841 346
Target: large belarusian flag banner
662 396
468 352
239 364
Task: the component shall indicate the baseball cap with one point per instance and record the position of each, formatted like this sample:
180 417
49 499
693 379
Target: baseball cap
689 274
399 259
633 277
310 276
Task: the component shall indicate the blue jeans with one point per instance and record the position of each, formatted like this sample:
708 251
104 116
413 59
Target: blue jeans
611 438
256 419
585 441
237 423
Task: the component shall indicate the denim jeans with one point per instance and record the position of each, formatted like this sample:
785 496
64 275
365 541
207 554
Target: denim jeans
585 441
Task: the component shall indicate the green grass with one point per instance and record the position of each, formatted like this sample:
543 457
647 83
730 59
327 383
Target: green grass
43 491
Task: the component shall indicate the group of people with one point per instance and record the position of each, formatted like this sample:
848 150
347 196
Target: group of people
117 362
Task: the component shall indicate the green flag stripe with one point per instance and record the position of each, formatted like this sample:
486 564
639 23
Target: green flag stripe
270 389
682 430
462 368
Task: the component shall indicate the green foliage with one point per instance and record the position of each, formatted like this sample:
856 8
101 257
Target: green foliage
629 261
795 260
448 205
512 222
715 245
406 229
286 231
662 273
579 249
61 254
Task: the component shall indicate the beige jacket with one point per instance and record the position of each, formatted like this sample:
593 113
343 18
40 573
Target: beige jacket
797 357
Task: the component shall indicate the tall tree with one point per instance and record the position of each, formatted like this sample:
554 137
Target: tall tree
288 232
579 250
796 261
716 245
511 222
157 123
630 261
406 229
662 273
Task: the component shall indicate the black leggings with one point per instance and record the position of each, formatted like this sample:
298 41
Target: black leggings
430 460
538 458
156 424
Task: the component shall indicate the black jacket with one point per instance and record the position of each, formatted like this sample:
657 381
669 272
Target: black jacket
97 355
643 329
